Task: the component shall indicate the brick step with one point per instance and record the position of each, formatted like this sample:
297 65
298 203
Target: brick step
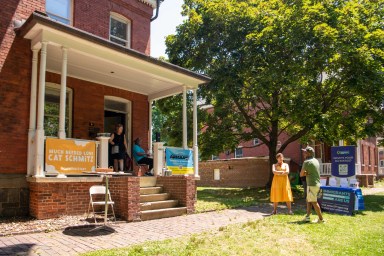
163 213
151 190
158 205
148 181
154 197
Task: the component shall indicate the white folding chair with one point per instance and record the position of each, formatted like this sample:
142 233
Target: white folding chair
99 190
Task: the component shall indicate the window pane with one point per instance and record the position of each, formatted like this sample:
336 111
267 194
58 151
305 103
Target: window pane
59 7
118 41
119 29
52 112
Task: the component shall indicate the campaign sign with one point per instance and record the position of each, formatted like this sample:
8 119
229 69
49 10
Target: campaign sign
69 156
179 160
343 161
337 200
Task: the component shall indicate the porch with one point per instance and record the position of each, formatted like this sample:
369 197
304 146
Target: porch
100 75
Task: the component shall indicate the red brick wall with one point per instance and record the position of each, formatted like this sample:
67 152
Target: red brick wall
292 151
236 173
181 188
53 199
93 16
369 156
15 73
88 106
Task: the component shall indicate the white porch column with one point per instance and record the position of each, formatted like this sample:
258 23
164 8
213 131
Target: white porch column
185 135
358 157
63 94
150 127
195 145
32 114
39 157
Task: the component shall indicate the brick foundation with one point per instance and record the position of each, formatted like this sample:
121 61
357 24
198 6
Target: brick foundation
182 188
14 195
52 197
236 173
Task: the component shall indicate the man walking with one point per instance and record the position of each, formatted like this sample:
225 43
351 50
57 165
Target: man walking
311 170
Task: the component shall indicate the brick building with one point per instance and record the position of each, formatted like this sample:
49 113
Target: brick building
71 69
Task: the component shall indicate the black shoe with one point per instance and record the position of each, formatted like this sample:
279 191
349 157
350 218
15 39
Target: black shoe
148 174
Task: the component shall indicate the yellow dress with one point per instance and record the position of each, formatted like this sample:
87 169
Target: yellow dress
281 187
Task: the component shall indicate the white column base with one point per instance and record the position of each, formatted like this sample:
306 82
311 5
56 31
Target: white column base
196 161
31 152
39 155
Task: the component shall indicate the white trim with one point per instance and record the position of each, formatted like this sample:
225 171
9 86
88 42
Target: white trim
195 132
151 3
128 117
63 94
185 127
122 19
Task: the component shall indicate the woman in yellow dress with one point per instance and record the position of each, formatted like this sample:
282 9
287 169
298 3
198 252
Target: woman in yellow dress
281 187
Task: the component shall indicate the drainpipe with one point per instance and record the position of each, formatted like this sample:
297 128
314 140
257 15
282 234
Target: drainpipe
157 10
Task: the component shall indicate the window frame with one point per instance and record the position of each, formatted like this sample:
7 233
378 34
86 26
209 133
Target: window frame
239 155
256 143
122 19
69 91
70 18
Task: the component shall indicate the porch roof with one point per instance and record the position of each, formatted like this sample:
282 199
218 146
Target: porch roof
99 60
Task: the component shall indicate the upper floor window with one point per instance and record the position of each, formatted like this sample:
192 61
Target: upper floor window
120 30
255 142
59 10
238 152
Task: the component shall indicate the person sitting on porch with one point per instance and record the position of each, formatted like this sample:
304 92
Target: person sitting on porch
141 157
119 147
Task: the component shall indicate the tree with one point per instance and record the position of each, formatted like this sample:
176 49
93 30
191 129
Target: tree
307 68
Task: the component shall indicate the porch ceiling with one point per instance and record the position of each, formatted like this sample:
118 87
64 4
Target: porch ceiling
98 60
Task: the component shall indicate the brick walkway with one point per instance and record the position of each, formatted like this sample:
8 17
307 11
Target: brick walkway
75 241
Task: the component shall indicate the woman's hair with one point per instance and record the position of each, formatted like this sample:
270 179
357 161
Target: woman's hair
118 126
279 155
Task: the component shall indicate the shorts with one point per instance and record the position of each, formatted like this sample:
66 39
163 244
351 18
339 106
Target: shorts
312 192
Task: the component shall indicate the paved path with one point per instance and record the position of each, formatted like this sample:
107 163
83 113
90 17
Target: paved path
75 241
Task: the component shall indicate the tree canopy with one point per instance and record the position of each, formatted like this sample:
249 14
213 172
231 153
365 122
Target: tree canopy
311 69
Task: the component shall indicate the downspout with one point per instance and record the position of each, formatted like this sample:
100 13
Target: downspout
157 10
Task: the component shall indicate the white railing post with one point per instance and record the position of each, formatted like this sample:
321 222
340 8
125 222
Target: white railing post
185 128
32 114
195 144
39 156
63 94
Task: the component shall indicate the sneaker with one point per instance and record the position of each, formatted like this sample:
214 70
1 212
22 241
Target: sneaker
307 219
290 213
318 221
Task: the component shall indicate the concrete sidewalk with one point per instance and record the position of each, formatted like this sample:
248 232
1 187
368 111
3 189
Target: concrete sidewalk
75 241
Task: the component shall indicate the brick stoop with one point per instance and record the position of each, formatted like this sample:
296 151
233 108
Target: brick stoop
154 204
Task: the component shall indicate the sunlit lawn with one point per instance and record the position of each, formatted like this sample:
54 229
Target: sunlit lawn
362 234
212 199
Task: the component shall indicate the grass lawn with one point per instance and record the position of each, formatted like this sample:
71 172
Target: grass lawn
362 234
213 199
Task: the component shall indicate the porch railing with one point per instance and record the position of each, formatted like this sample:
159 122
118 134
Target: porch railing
326 169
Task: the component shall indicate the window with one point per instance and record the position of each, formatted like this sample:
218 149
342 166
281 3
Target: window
255 142
52 111
120 30
59 10
238 152
381 163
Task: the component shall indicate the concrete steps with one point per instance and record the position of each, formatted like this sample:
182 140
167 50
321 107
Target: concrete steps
154 204
151 190
154 197
163 213
158 205
147 181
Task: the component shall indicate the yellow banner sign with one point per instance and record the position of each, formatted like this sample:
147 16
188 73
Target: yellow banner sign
69 156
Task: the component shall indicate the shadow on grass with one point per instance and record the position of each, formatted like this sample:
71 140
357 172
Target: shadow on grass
374 203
